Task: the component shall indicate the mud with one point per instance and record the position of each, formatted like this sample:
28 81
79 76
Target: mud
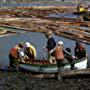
24 81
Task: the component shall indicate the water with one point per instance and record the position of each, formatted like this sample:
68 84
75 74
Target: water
33 4
64 15
37 39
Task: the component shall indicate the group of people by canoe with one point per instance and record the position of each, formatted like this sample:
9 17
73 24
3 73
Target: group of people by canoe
20 51
62 54
57 54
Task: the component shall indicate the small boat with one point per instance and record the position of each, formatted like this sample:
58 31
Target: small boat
79 13
86 18
44 66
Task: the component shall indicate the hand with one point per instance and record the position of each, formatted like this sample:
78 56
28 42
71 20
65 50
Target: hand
19 60
44 48
26 57
73 57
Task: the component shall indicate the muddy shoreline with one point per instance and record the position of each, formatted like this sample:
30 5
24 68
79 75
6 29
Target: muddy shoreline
6 33
23 81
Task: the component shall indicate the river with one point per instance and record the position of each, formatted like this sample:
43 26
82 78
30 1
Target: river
37 39
64 15
10 4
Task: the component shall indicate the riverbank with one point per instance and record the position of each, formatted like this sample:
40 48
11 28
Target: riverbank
2 32
24 81
6 33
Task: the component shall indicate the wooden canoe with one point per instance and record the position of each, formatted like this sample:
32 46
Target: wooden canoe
39 66
79 13
86 18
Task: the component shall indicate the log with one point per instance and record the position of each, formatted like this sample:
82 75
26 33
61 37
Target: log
66 73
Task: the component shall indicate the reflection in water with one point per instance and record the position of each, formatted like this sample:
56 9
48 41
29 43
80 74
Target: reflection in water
37 39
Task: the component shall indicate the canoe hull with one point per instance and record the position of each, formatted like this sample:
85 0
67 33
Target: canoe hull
51 68
86 18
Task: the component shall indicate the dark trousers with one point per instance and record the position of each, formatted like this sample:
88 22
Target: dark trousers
71 61
60 62
30 56
13 62
60 65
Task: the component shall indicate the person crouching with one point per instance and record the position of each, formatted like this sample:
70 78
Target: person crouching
14 56
30 51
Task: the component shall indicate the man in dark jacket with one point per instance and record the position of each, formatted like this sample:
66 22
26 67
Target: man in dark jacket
50 46
51 43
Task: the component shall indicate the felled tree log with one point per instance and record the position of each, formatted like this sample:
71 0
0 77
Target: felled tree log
66 73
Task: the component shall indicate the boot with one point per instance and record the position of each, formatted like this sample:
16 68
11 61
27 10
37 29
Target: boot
59 77
72 66
16 67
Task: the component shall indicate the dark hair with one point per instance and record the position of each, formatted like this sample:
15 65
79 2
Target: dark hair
68 49
77 42
20 45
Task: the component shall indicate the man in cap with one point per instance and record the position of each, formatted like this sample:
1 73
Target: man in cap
60 59
30 50
14 56
50 46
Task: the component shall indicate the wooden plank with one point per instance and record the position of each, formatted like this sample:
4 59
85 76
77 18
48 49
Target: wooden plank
66 73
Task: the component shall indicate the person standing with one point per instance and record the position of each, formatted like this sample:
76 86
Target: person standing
50 46
14 56
59 55
51 41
